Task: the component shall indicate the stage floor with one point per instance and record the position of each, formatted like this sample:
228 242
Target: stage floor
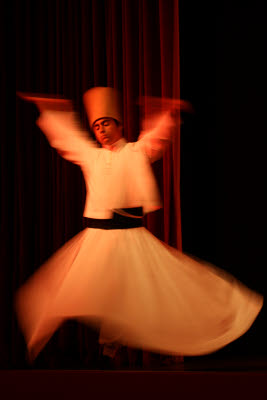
97 385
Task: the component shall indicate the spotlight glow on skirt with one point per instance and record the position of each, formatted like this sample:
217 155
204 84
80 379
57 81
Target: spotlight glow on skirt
140 292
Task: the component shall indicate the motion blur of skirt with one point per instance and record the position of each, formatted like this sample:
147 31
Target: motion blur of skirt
138 291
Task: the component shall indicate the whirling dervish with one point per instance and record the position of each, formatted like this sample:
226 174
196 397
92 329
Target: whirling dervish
115 274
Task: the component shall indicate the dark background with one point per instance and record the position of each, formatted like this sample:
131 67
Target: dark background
223 73
223 167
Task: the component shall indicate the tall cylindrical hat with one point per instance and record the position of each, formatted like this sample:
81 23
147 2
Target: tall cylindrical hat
102 102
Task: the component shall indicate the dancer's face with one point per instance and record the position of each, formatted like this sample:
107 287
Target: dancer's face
107 131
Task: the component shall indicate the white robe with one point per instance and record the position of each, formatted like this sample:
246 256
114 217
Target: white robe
117 178
139 291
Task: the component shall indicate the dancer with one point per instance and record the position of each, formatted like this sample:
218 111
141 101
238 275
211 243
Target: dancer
115 273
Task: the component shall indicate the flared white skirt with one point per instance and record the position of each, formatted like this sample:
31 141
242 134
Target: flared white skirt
139 292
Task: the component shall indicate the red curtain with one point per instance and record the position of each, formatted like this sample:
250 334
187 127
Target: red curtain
65 47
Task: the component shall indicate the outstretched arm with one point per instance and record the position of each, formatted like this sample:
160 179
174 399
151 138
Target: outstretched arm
60 125
157 137
64 134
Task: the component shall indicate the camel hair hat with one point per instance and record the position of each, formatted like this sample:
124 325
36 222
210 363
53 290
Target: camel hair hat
102 102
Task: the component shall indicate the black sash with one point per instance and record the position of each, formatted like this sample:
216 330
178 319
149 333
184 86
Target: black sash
118 221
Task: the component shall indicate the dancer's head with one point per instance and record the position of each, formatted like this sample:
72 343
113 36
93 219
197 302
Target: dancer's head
104 111
107 131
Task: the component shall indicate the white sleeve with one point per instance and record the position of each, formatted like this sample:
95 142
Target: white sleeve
64 134
154 141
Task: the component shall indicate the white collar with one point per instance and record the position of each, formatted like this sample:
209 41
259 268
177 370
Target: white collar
117 145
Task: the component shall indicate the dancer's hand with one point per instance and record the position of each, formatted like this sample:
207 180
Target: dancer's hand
45 103
157 105
53 105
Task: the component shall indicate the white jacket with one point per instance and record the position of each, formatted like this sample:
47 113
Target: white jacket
117 178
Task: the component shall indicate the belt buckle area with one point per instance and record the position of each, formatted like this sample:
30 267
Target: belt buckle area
124 212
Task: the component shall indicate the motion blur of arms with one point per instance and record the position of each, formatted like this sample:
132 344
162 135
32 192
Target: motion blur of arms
61 126
160 124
